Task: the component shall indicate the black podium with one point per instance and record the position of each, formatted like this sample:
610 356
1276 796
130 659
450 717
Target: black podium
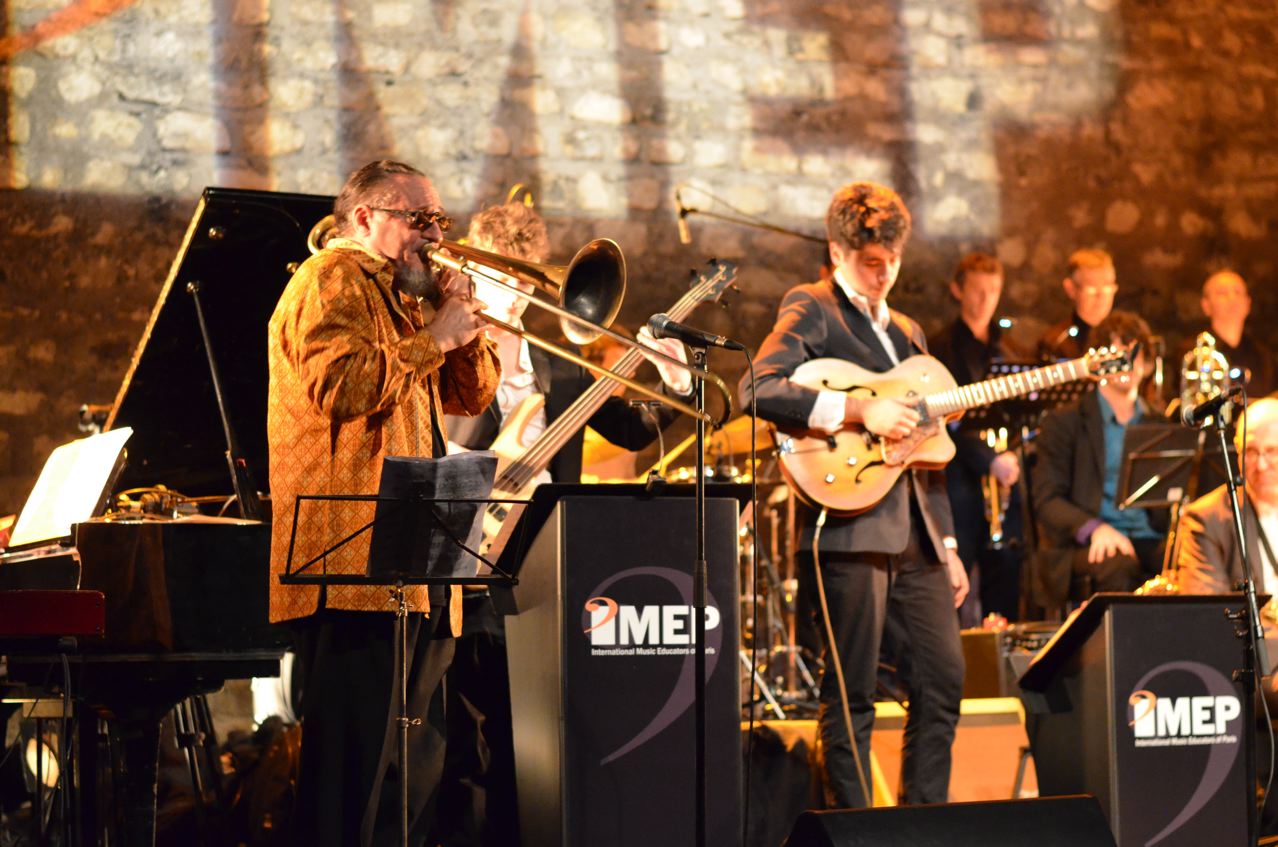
601 671
1133 701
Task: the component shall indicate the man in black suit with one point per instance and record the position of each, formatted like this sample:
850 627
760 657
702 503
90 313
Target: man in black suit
967 347
478 794
1226 304
1090 283
1209 560
1080 454
896 561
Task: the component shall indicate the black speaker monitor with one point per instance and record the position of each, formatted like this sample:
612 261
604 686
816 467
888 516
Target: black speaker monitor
1074 821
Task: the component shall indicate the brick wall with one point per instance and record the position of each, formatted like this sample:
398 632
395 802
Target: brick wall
1030 128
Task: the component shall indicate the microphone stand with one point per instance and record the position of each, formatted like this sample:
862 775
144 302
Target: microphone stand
1247 627
686 211
699 601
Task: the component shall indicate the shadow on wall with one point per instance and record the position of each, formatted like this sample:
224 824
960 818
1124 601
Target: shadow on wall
80 276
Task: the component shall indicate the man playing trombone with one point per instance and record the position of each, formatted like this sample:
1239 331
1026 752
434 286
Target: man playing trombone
369 348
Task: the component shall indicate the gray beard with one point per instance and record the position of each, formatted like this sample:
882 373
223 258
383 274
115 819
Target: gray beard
418 282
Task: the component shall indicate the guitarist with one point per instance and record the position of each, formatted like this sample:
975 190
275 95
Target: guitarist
478 795
896 563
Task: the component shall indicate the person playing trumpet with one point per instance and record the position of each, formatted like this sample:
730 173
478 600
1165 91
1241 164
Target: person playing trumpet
966 348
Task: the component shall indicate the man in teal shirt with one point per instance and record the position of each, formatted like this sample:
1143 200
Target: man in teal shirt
1080 452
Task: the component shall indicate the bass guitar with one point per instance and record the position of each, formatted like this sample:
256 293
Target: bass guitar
517 476
850 471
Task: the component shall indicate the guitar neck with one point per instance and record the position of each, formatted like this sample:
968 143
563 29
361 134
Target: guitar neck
540 453
980 394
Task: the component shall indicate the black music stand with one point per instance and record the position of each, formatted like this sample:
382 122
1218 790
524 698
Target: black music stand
1162 465
412 543
1166 465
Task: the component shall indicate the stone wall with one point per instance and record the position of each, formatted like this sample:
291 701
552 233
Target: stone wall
1030 128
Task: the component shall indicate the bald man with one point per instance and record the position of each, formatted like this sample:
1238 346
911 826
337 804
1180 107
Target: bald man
1226 305
1208 559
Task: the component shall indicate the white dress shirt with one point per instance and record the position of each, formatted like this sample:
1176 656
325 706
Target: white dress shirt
827 412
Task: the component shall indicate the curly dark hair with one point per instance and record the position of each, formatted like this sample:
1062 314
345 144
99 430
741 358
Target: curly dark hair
864 213
1124 327
368 186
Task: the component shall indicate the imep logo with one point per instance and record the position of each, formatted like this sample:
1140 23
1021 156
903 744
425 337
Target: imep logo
1204 716
613 624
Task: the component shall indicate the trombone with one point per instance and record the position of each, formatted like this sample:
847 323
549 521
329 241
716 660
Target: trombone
589 291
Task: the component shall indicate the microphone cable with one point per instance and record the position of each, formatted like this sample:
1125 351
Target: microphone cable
837 660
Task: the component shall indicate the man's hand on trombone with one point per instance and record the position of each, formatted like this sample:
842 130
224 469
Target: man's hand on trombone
677 378
457 319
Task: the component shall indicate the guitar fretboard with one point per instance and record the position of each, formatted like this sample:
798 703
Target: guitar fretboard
978 394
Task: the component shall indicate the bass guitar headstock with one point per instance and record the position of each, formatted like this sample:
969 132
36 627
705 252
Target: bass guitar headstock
710 284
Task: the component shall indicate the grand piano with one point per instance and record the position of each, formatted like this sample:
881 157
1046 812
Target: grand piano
185 599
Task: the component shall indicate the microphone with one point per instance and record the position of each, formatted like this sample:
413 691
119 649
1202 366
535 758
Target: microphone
685 237
664 326
1194 415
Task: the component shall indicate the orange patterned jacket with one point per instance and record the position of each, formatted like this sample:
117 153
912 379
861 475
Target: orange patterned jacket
354 377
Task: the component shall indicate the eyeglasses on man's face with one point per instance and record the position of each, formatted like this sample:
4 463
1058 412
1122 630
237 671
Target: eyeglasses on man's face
422 219
1268 452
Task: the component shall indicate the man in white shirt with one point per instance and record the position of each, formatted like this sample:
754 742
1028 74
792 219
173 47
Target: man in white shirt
477 799
896 562
1209 562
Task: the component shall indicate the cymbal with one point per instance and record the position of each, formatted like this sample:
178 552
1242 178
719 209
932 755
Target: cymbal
733 439
596 449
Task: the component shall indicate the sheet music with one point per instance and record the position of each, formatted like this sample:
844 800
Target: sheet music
70 486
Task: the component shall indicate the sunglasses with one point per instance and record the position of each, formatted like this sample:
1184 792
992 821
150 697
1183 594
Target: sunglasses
420 218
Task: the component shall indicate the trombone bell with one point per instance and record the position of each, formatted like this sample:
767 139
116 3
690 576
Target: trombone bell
590 287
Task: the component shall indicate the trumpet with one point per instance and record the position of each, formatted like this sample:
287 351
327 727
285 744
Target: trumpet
589 291
997 496
1204 372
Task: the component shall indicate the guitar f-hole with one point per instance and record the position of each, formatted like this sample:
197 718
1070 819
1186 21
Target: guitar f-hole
856 480
849 389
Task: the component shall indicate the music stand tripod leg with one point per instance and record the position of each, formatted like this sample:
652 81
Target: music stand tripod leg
764 689
400 596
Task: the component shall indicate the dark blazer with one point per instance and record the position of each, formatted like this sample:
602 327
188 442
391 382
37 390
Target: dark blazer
1208 561
562 382
1068 485
1059 343
972 455
817 321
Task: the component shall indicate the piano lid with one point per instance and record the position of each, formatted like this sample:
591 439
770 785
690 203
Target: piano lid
239 247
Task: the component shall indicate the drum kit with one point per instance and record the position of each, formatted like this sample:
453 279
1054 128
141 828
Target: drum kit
778 659
779 666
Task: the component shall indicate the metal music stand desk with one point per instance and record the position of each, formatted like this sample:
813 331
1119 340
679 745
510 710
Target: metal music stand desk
1161 465
404 534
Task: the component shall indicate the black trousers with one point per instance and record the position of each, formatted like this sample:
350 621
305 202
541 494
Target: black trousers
348 790
996 573
864 590
477 800
1121 573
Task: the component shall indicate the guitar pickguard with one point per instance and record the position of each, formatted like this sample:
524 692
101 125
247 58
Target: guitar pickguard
897 451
